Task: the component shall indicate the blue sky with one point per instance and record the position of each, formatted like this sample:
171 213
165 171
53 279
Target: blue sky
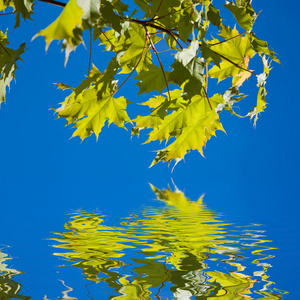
250 175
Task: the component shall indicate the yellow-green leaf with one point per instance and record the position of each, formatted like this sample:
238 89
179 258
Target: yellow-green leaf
90 113
67 27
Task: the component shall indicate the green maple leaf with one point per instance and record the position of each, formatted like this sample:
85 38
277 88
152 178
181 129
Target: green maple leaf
8 64
262 92
113 40
152 79
213 15
67 27
6 3
192 137
138 46
236 48
185 116
90 113
188 66
109 17
185 24
154 119
91 9
262 47
23 8
244 15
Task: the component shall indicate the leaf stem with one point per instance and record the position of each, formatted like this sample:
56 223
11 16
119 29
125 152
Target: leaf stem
158 8
228 39
5 50
207 98
235 64
113 46
160 63
90 54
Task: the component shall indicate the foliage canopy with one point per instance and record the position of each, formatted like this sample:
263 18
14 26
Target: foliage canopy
183 111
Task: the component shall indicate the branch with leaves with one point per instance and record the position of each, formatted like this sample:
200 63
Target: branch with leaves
183 111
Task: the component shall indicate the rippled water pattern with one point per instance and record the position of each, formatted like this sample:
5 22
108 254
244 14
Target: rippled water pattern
181 250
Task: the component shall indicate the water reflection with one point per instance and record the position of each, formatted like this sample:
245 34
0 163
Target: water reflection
9 288
179 251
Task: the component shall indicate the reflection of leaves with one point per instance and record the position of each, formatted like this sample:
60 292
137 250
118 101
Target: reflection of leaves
9 288
173 244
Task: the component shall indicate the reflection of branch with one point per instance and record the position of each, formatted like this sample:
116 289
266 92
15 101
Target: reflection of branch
133 68
160 63
161 286
88 291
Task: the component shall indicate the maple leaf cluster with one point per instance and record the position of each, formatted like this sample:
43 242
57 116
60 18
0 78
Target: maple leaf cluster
183 111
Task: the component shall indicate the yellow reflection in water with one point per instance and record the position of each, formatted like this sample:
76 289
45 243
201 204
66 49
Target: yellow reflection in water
9 288
179 251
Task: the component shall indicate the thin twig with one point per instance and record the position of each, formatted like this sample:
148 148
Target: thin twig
54 2
109 41
207 98
10 13
206 73
228 39
90 54
160 63
145 46
158 8
5 50
172 35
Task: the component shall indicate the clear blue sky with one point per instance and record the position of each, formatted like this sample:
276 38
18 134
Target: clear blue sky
250 175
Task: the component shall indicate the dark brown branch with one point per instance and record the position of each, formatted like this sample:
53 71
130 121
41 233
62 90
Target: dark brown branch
145 46
160 63
54 2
